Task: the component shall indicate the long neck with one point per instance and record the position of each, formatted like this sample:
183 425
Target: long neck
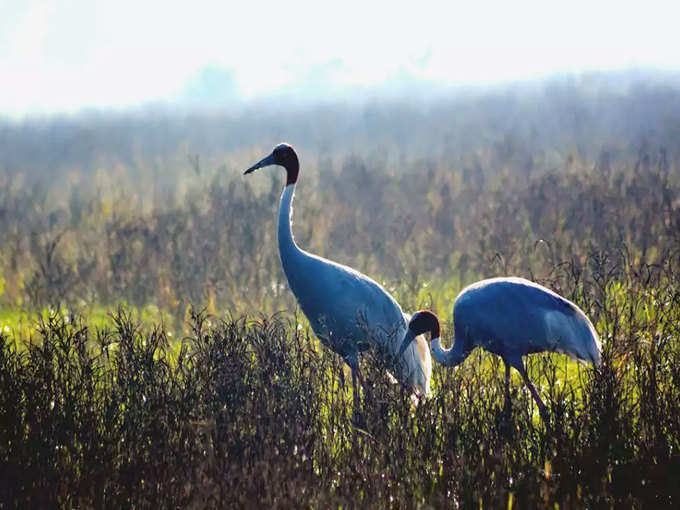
287 247
449 357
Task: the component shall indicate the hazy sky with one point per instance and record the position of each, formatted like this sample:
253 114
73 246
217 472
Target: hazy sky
66 55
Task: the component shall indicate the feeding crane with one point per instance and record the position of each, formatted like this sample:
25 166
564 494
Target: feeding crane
348 311
511 317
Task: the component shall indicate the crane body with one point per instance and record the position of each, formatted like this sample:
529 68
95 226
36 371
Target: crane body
513 317
348 311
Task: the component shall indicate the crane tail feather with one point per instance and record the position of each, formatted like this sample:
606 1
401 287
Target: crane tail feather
576 336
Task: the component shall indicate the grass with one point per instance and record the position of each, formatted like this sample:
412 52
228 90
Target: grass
243 412
112 413
115 393
24 323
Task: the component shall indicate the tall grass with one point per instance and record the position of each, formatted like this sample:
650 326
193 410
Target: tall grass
250 413
154 404
214 243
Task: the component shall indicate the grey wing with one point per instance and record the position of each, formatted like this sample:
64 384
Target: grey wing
342 303
519 317
376 314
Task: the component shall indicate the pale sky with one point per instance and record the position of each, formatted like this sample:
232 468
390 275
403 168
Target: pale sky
62 56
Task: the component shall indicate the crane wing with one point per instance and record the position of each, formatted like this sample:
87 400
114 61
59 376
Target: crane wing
342 304
514 317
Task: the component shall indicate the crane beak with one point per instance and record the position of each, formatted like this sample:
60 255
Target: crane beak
408 338
269 160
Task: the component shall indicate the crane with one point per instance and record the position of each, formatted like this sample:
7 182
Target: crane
511 317
348 311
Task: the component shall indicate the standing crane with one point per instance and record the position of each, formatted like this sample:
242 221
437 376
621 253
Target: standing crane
511 317
348 311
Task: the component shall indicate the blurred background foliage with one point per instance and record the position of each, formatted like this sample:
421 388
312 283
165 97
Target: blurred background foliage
152 208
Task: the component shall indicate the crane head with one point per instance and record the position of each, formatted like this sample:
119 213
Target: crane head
283 155
421 322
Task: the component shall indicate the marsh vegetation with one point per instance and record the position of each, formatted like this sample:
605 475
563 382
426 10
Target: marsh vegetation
151 353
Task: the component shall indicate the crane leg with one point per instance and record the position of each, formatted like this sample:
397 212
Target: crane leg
507 386
541 406
353 362
356 384
342 377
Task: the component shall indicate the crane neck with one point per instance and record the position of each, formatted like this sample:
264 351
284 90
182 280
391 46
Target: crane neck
287 246
448 357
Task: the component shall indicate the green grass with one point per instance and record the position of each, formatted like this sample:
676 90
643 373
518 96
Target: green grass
252 411
113 412
114 394
25 323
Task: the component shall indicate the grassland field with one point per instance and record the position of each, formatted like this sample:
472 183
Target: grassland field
152 355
